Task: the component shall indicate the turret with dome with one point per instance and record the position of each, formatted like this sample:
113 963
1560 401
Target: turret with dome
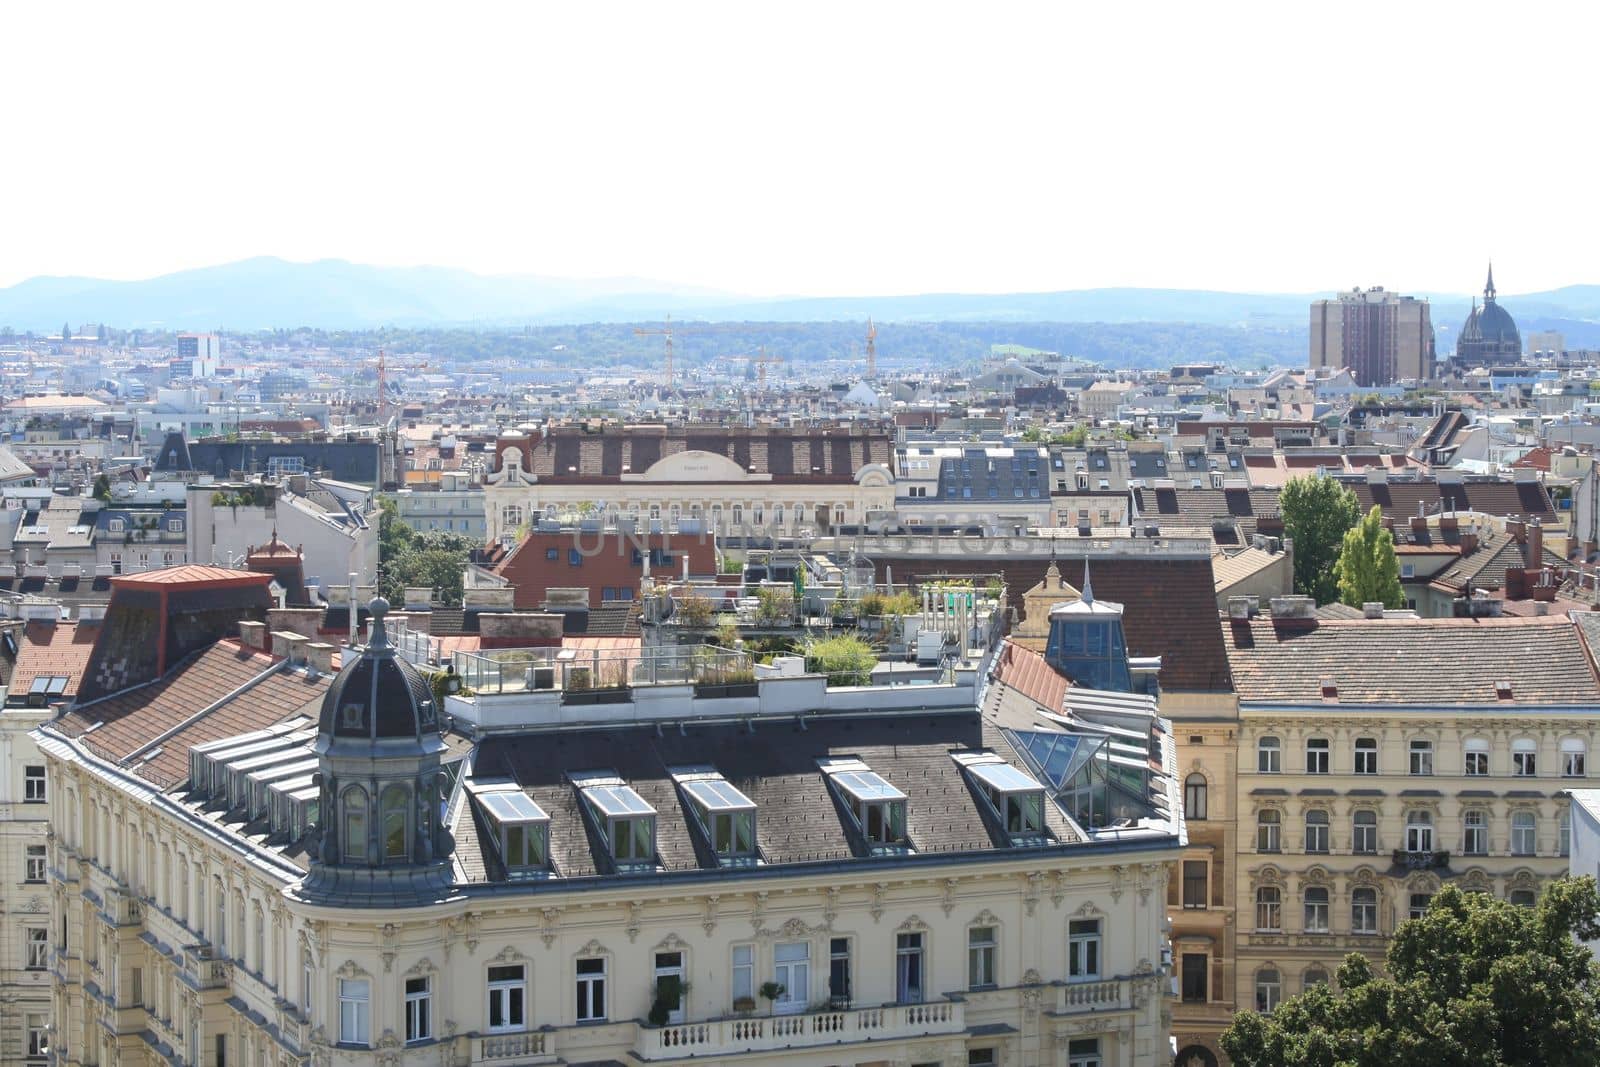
379 750
1490 335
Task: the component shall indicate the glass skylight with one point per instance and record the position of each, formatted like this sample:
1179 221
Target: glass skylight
867 786
617 801
509 807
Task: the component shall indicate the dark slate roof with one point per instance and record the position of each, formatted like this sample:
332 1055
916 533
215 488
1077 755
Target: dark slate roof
978 476
1486 568
1411 661
1399 499
798 820
573 453
1203 507
345 461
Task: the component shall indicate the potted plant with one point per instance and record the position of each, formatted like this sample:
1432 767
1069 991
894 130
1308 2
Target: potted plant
670 991
744 1005
770 992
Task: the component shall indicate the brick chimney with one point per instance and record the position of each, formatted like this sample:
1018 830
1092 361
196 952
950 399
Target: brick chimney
1468 542
1535 554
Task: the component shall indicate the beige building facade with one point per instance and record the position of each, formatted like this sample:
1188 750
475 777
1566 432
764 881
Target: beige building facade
24 890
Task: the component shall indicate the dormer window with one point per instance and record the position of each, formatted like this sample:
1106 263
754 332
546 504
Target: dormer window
727 816
879 808
521 829
628 823
1017 799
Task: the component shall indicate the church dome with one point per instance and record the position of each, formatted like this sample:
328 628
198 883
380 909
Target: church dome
1491 323
378 695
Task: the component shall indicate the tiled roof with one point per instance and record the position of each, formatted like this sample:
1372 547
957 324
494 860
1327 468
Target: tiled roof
573 453
1028 672
614 620
1399 499
1200 507
775 766
1488 565
191 573
52 650
133 719
1411 661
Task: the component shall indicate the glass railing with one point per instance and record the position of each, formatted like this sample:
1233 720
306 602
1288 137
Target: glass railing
517 670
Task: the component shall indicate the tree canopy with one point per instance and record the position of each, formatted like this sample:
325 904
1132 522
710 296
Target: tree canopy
407 558
1369 571
1316 513
1474 982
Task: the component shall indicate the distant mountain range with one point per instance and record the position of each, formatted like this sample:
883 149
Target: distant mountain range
266 292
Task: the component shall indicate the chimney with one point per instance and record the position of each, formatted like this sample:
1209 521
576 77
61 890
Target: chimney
1241 608
1372 609
319 657
253 634
1293 607
1535 544
1469 542
291 646
1518 529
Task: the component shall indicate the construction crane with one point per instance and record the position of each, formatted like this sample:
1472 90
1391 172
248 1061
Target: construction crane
668 331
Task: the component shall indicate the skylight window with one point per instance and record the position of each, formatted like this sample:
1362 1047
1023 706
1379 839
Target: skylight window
727 816
1017 798
522 830
878 807
629 824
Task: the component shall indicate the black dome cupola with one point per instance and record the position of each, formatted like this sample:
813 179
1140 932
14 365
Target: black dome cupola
379 695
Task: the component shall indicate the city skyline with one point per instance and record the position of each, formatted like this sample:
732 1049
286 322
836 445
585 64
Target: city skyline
857 152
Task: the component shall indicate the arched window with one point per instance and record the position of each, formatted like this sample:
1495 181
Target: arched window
1268 825
1269 756
1477 753
1475 836
1316 830
1269 989
355 825
1269 908
395 801
1364 911
1316 902
1314 977
1524 830
1574 756
1366 755
1419 831
1364 840
1524 898
1194 796
1523 757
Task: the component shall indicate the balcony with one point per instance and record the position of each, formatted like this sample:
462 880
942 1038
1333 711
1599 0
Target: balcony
1079 998
201 970
1420 861
528 1046
769 1033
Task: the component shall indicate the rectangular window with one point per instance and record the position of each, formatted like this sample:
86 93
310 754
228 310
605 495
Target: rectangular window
1366 755
1419 904
38 1036
1476 838
136 987
744 974
1364 911
908 974
839 970
1084 1052
419 1009
508 998
355 1011
981 946
38 948
33 784
591 990
1083 949
1194 977
1366 833
1316 901
1317 756
1194 883
1477 759
982 1057
552 554
791 969
33 864
1422 757
1523 762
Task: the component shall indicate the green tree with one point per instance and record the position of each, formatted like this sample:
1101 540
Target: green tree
1316 513
1475 982
66 332
406 558
102 488
1368 569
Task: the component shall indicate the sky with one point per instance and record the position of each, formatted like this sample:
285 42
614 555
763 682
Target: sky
811 149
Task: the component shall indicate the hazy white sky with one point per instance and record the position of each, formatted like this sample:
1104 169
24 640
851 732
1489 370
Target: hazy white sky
856 148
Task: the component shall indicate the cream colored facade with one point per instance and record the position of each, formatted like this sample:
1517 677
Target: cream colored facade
701 486
24 889
179 943
1424 827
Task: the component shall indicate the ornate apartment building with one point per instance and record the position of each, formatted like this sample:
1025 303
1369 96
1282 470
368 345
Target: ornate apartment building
24 889
333 871
712 479
1381 758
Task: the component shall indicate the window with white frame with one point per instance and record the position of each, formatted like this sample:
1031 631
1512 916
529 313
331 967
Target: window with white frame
1524 762
508 998
1269 826
1084 1052
1524 832
1363 910
419 1009
38 1036
1269 989
629 823
1316 830
879 808
743 982
34 790
1313 977
307 974
982 947
355 1011
1419 831
1364 826
1269 908
1574 758
1366 755
1475 832
591 979
1477 757
1316 909
33 864
791 969
1269 756
38 948
1083 949
1422 757
1317 755
909 961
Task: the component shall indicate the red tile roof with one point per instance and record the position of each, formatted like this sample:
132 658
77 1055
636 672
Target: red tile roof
52 650
192 573
1029 673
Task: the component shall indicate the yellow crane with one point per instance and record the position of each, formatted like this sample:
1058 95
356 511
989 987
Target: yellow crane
667 331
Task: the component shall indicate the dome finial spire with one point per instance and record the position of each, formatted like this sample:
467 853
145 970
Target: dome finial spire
1488 286
1087 596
